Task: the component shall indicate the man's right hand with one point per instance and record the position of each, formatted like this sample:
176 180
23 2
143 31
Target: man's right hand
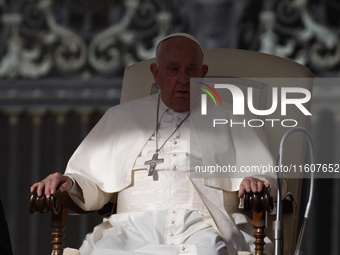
51 184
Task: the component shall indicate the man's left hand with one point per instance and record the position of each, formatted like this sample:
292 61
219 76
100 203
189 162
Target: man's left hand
252 184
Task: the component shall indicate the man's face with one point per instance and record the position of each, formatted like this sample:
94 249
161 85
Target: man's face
178 60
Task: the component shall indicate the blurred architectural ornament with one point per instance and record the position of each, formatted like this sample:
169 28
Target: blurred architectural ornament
17 60
326 40
164 21
87 39
69 44
104 41
57 47
307 41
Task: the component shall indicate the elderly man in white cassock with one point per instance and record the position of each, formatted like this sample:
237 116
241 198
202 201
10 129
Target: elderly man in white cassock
160 208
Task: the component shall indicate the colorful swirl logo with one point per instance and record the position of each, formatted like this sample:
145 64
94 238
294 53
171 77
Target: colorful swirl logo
209 93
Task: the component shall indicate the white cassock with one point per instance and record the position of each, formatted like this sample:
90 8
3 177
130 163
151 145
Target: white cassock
174 214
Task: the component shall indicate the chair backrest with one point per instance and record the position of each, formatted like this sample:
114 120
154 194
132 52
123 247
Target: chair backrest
138 81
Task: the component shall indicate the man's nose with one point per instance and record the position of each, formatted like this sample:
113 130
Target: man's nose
184 77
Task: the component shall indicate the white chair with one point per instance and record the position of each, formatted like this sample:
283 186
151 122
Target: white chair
138 82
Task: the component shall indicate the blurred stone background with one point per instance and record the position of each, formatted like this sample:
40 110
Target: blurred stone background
61 67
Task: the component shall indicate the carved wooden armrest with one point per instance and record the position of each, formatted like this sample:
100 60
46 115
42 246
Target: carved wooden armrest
58 217
60 205
259 203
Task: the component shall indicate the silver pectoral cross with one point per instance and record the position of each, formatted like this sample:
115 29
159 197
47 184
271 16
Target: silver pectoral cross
153 163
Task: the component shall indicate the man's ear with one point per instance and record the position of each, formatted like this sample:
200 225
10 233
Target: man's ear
154 71
205 69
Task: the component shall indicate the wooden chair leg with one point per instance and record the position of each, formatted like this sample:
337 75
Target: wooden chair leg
259 203
58 218
58 222
259 219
